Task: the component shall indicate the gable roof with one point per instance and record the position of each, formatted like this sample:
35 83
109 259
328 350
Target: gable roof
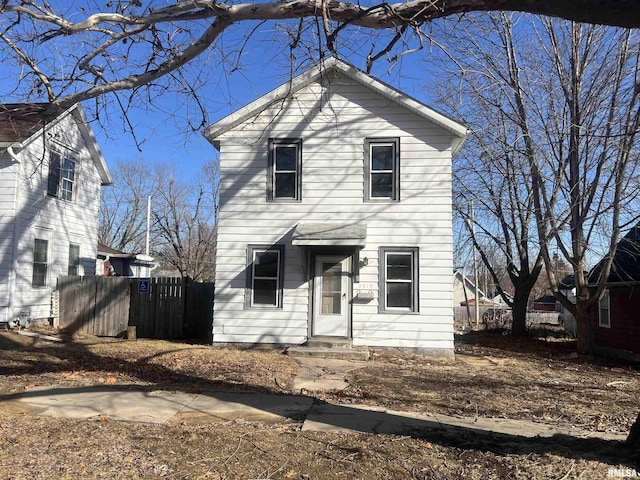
222 126
21 122
466 282
625 268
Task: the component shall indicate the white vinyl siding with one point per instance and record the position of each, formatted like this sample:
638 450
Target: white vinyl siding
334 126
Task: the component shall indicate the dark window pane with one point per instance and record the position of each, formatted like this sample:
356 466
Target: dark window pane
266 264
399 295
382 157
265 292
54 175
39 275
381 185
286 158
398 267
285 185
40 251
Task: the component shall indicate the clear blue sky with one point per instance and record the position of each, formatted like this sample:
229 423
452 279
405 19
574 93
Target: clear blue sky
163 130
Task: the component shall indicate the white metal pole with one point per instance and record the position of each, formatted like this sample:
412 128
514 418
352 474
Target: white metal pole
148 222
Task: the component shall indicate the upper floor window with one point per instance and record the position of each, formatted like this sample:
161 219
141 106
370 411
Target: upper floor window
382 169
265 276
74 259
604 310
62 177
398 279
285 170
40 262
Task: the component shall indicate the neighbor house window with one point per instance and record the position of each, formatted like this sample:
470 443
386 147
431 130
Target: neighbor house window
40 262
382 169
74 259
604 310
265 276
398 279
62 177
285 170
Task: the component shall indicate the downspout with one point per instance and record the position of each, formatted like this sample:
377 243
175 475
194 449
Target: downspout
16 229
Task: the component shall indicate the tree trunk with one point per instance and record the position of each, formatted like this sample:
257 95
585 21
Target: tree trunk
634 434
584 330
519 309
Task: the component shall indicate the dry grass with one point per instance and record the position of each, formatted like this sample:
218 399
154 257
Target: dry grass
492 376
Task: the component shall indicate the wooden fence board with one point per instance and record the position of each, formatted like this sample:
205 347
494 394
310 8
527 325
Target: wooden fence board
106 306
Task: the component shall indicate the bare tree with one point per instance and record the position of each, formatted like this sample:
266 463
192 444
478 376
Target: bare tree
592 154
184 219
183 215
123 207
75 52
555 110
492 173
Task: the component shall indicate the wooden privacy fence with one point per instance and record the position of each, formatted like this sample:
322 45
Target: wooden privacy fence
94 305
157 307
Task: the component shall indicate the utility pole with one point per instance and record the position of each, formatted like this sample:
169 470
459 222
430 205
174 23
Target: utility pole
472 227
148 223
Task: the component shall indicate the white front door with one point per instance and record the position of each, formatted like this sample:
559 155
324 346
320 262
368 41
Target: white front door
331 305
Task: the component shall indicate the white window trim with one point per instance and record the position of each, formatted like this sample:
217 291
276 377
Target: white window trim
604 301
62 179
79 266
47 263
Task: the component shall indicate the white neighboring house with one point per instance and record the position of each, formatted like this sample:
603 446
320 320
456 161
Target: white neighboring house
335 216
112 262
51 170
464 289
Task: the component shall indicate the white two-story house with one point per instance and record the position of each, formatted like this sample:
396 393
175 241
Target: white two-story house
51 170
335 218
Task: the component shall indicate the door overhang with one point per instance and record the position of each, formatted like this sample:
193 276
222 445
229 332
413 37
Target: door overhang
330 235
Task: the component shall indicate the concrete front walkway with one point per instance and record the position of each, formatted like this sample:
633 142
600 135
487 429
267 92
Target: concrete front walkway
135 404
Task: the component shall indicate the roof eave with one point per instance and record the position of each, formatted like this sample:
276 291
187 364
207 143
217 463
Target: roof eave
458 130
92 145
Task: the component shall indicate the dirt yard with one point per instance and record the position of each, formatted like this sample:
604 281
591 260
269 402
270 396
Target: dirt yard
492 376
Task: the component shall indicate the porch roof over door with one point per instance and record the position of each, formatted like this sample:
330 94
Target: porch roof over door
330 234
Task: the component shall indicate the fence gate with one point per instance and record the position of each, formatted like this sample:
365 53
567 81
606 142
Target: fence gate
94 305
158 312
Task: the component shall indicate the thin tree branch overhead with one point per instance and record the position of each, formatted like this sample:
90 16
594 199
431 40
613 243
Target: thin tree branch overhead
68 50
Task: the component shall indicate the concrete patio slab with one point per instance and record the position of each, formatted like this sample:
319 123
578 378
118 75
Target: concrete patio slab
114 403
368 419
225 406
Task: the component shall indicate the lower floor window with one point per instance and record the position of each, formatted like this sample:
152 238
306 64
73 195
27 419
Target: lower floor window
74 259
40 262
264 282
399 279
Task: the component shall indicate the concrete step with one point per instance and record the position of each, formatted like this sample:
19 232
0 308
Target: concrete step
342 352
